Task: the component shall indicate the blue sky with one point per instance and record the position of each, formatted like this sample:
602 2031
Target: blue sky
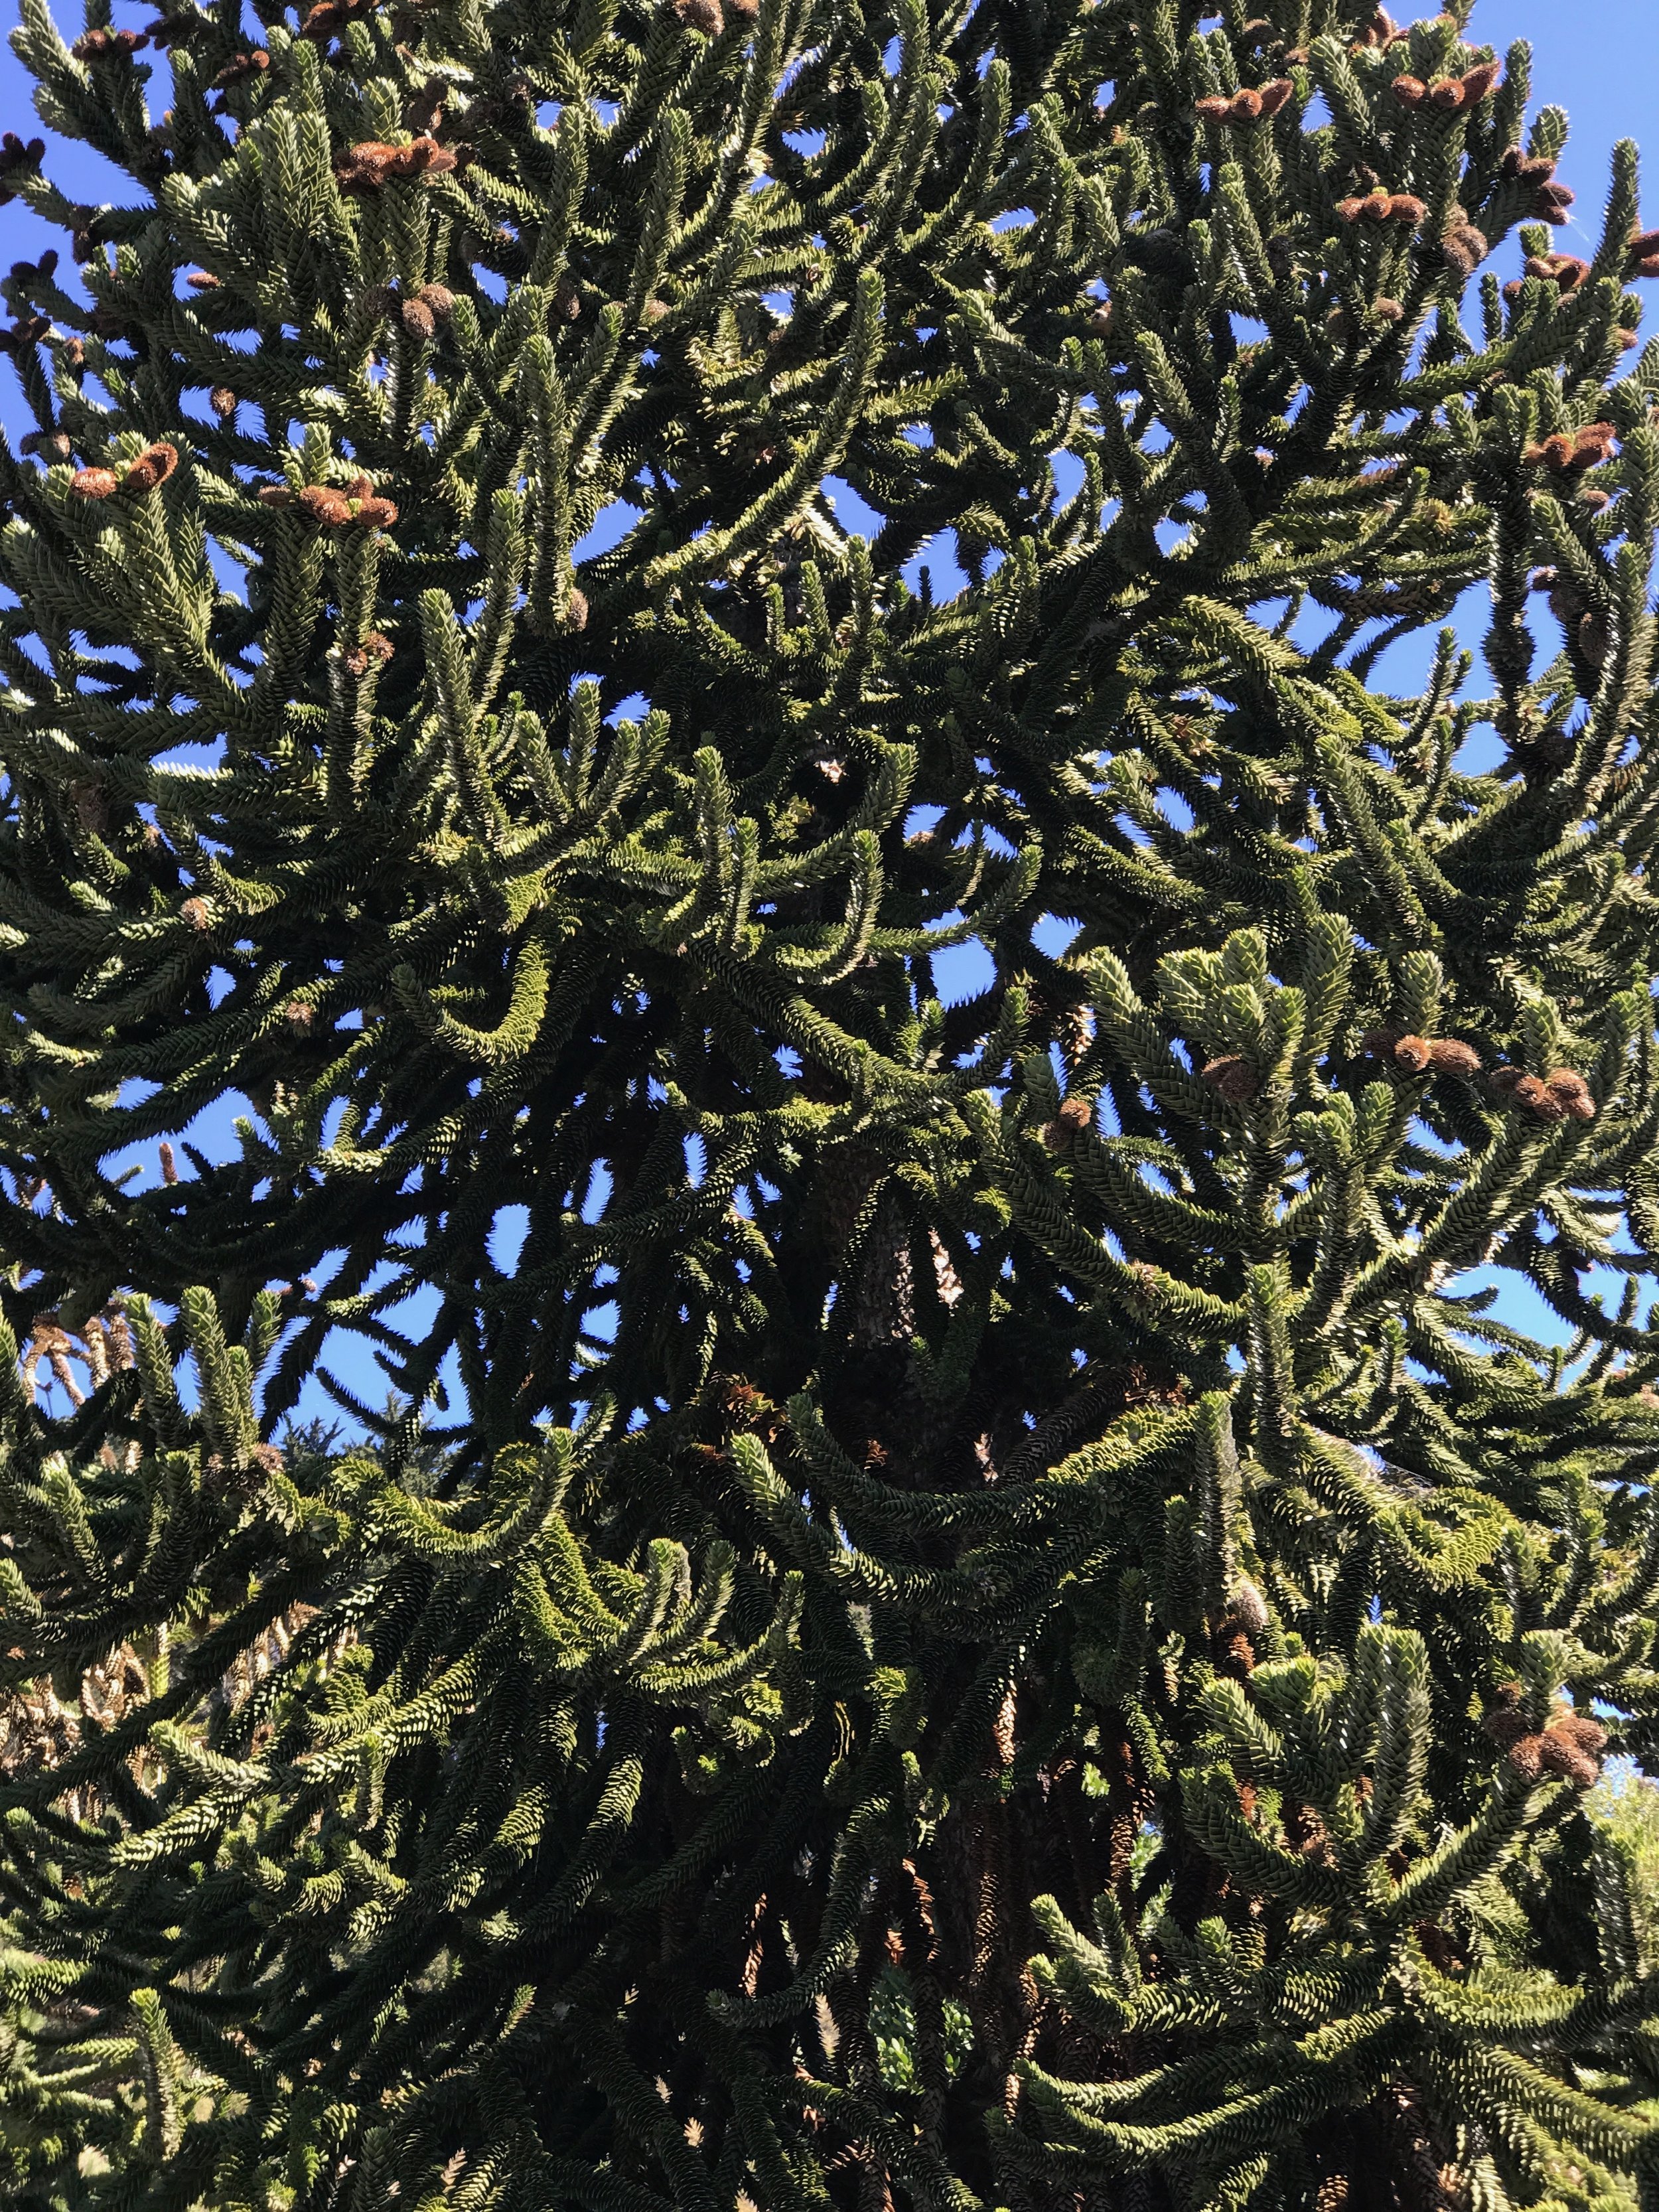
1597 58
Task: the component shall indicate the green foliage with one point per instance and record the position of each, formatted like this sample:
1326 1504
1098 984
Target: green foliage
985 1615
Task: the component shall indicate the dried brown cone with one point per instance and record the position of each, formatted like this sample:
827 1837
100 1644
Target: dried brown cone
94 484
1465 248
16 153
1520 166
323 504
1409 91
375 649
1533 1095
1452 1056
438 300
703 15
422 157
1569 1092
1411 1052
1232 1077
27 332
1595 443
364 166
418 320
1643 257
151 469
197 912
318 24
1569 1745
101 44
1566 271
575 610
1074 1116
242 66
222 402
1381 30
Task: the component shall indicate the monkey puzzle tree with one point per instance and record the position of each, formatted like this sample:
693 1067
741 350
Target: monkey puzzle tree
986 1614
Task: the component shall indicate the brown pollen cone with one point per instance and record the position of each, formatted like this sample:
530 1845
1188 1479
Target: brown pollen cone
1409 91
1595 443
1569 1092
1569 1745
371 512
94 484
153 467
1452 1056
1411 1052
223 401
100 44
1232 1077
1073 1116
1465 247
240 66
1533 1095
376 648
322 503
421 157
1564 271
